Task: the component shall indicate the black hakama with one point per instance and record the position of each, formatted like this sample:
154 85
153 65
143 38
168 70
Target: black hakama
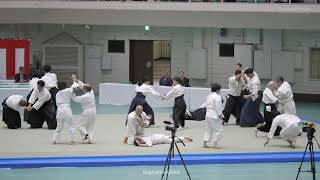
250 114
53 92
197 115
140 99
268 117
10 116
179 110
233 106
47 113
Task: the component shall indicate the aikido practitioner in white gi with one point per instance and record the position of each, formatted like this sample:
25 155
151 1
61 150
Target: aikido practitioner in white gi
213 105
85 124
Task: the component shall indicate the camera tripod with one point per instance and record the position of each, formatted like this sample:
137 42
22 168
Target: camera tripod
312 158
173 144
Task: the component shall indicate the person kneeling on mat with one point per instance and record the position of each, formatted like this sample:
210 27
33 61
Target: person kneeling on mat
41 108
290 128
11 111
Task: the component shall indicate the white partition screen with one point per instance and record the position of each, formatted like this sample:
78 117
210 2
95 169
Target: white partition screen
19 53
3 59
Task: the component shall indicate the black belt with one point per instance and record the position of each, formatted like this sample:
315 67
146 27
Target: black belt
233 96
269 104
178 98
139 94
4 104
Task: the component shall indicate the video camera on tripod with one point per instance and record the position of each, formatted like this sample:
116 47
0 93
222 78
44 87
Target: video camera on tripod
172 128
309 128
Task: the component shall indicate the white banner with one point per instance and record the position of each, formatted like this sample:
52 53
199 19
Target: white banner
19 56
3 62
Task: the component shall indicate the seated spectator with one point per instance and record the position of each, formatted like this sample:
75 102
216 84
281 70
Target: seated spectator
166 80
184 79
21 77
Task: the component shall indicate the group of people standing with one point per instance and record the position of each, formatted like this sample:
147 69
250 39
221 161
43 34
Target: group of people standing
141 114
49 101
245 97
243 102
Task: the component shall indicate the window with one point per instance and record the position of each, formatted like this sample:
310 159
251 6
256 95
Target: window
116 46
315 64
226 50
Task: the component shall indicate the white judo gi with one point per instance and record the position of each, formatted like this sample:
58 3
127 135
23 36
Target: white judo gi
135 126
159 139
253 86
285 97
42 97
269 98
146 89
33 82
213 106
85 125
289 125
13 102
50 80
64 113
77 84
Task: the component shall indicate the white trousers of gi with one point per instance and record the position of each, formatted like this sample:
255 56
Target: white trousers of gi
64 114
214 127
290 132
85 124
288 107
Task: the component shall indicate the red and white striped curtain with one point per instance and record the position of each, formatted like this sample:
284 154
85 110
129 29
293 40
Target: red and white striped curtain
13 54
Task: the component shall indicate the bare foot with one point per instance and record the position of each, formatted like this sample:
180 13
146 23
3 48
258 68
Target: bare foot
256 132
205 145
125 139
189 139
216 147
291 143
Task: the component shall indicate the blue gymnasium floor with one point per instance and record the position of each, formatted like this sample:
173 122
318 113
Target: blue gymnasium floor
245 166
271 171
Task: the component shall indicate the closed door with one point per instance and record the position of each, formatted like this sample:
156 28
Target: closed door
315 64
141 60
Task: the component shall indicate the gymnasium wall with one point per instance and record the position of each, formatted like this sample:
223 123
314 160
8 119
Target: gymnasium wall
269 46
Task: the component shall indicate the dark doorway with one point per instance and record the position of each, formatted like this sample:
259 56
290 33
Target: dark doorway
141 60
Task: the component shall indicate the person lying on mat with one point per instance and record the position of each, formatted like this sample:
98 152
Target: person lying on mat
154 139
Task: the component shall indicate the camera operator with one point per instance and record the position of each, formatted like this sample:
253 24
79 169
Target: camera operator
290 128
